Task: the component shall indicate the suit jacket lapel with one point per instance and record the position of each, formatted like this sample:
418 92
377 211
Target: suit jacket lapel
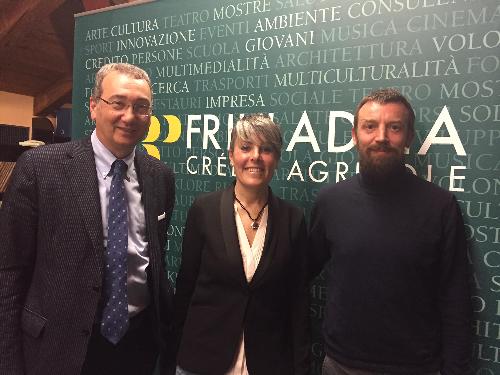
81 173
148 196
148 187
230 233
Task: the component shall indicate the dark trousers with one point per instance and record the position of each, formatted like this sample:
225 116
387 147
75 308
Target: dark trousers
332 367
135 354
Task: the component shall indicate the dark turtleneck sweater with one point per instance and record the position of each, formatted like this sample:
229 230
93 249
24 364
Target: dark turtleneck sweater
398 293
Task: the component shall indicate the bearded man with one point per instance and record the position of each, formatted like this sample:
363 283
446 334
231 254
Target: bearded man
398 297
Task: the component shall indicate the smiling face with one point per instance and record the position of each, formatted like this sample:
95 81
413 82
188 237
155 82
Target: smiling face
254 163
120 131
381 135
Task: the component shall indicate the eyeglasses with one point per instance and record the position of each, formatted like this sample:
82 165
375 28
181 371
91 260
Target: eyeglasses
139 109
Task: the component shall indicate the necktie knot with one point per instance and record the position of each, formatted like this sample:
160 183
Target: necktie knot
119 168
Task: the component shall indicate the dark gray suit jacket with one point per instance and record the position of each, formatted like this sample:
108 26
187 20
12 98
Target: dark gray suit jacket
51 256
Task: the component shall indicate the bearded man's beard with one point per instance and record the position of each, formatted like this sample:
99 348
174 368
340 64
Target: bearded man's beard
380 167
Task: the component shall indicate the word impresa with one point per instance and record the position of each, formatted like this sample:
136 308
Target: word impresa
232 101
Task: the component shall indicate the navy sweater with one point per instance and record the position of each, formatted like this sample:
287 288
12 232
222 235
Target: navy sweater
398 288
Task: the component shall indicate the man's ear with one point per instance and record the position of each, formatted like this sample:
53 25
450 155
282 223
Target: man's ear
354 136
92 106
409 138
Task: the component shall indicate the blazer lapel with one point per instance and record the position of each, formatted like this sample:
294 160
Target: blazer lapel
81 173
271 241
230 233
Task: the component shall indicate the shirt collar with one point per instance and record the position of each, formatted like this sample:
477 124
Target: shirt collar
104 158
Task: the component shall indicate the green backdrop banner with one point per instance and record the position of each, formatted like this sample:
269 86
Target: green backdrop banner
308 62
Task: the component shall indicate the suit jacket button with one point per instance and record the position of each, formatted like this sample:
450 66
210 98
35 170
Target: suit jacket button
85 332
96 288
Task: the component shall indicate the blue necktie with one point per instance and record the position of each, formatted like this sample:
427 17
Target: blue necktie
114 323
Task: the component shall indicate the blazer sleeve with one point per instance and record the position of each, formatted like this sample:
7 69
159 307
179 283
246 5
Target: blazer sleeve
192 244
300 326
18 233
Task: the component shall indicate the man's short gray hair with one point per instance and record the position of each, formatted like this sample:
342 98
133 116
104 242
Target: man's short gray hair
123 68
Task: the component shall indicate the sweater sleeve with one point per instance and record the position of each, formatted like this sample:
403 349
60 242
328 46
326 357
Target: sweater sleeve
319 249
454 294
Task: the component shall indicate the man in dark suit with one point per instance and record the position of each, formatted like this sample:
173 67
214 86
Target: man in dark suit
58 257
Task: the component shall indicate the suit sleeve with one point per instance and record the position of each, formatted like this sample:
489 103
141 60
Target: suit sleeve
319 249
167 359
18 231
454 295
192 244
300 327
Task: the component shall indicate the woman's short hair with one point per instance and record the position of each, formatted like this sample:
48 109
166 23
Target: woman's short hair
258 126
123 68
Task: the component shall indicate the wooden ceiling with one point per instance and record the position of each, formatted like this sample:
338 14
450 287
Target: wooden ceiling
36 48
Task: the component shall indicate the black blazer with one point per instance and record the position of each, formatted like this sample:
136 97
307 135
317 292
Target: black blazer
51 256
214 303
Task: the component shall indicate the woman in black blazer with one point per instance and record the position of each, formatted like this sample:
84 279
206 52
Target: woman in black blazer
241 304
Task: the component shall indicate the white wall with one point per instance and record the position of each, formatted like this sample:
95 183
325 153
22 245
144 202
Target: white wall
16 109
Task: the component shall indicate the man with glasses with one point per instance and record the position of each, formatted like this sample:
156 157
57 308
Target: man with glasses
83 228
